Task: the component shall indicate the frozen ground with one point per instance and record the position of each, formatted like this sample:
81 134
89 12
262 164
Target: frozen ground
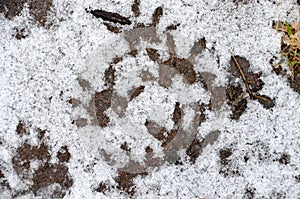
76 122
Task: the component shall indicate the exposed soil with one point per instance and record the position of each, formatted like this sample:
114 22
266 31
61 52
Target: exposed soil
21 129
135 8
125 181
3 182
196 147
11 8
39 10
228 168
125 147
153 54
32 163
158 12
102 103
102 187
63 154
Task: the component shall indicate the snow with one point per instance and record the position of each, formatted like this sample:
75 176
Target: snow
39 74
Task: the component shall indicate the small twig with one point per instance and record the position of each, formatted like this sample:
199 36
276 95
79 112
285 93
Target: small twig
239 99
242 75
269 102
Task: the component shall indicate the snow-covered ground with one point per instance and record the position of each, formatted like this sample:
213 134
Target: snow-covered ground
50 81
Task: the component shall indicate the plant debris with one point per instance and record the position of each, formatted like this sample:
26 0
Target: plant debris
111 16
240 68
184 67
41 133
3 181
165 136
227 167
284 159
239 108
133 53
290 49
21 33
202 42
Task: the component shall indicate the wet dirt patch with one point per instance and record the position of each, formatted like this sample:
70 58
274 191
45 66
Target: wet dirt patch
81 122
153 54
102 103
196 147
32 164
3 182
227 166
125 182
11 8
63 154
48 174
102 187
249 193
158 12
20 33
135 8
39 10
125 147
21 128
